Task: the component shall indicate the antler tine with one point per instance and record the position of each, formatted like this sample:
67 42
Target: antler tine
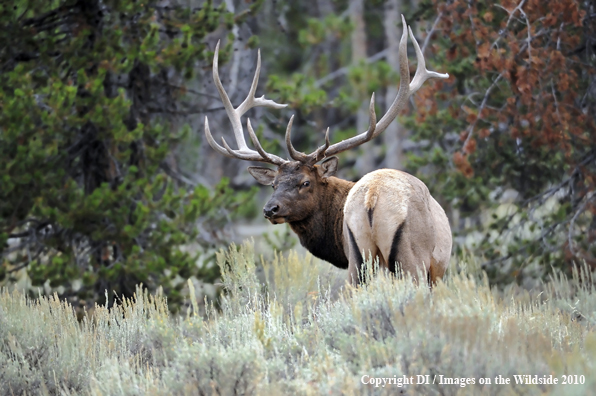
319 154
230 111
422 74
406 89
244 156
274 159
250 100
372 115
374 128
229 149
294 154
235 114
212 141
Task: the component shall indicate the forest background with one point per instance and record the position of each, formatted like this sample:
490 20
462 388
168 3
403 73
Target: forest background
106 180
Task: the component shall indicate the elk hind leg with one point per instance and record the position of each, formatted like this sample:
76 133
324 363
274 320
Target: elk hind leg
404 252
359 241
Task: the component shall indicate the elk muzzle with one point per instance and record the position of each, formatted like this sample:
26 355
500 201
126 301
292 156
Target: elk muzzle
271 211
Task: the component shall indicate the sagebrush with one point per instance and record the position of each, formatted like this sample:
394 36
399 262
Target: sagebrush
301 331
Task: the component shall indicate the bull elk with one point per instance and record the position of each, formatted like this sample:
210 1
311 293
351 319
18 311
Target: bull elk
387 214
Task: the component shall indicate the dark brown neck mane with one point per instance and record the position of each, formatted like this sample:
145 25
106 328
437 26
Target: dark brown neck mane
322 232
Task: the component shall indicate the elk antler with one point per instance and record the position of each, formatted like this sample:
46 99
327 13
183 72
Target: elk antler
406 89
243 152
299 156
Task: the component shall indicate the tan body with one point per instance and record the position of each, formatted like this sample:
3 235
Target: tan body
390 215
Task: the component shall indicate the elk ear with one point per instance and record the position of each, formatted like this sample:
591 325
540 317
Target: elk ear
328 167
262 175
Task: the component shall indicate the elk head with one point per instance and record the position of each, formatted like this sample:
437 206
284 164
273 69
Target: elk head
299 184
297 188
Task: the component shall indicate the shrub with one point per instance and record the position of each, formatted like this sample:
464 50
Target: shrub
295 337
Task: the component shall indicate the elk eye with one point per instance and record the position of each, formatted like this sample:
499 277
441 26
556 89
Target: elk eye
306 184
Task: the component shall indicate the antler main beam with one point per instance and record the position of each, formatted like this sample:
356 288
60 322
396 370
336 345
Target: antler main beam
235 114
406 89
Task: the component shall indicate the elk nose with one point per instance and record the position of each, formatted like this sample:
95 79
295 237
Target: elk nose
270 210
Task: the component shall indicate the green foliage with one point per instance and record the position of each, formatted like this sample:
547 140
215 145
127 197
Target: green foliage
298 91
87 201
298 334
317 30
281 241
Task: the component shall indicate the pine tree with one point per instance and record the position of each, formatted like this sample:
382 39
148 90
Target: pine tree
90 199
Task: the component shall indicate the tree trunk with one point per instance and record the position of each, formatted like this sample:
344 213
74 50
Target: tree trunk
365 162
395 134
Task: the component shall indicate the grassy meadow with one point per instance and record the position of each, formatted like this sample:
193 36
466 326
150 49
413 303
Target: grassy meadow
290 326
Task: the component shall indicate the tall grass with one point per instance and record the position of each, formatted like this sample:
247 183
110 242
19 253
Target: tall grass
296 332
